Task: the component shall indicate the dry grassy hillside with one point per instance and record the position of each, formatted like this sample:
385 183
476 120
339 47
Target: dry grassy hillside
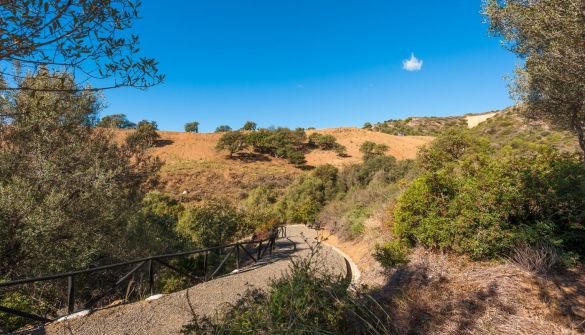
194 170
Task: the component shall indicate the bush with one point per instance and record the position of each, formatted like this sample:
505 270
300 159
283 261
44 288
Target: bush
223 129
15 300
153 228
144 137
192 127
306 300
232 141
116 121
370 149
249 126
486 201
392 254
259 208
214 223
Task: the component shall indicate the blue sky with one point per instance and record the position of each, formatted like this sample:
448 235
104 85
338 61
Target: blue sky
319 63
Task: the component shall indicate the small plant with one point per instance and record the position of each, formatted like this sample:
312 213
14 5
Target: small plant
392 254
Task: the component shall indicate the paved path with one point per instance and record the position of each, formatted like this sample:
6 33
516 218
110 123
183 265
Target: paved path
169 313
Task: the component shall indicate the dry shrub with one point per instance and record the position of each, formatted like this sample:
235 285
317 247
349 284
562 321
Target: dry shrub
540 259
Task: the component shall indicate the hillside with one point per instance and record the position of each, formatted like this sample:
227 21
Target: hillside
194 170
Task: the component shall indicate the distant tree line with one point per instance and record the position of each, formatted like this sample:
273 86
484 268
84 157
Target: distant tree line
280 142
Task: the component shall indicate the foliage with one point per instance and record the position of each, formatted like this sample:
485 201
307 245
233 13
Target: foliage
192 127
214 223
18 301
88 37
306 197
392 254
306 300
223 128
259 208
249 126
370 149
119 121
511 125
449 148
487 200
232 141
427 126
154 226
303 201
66 188
548 35
326 142
144 137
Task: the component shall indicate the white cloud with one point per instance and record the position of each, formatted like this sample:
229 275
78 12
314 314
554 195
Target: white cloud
412 64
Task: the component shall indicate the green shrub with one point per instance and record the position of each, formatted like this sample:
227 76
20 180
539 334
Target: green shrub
259 209
233 142
153 228
214 223
483 202
15 300
223 128
392 254
306 300
145 135
370 149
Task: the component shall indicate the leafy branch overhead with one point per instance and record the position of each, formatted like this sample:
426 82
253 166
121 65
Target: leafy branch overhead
88 38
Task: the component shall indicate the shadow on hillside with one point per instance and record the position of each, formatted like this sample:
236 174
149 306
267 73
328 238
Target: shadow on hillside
250 157
564 291
422 303
163 143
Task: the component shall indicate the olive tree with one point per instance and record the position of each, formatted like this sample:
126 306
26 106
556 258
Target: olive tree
548 35
192 127
89 39
116 121
66 188
233 141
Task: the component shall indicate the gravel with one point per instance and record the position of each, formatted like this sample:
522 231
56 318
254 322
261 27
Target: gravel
169 313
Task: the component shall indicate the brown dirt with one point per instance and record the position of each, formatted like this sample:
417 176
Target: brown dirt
194 170
447 294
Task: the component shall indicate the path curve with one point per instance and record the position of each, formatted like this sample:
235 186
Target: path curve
169 313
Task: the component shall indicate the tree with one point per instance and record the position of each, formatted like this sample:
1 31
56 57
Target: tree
223 129
370 149
367 126
87 37
233 141
116 121
249 126
212 224
66 188
144 137
192 127
548 35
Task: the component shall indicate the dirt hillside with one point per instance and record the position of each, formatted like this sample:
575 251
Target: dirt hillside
194 170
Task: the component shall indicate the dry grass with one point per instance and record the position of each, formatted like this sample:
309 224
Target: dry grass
440 294
194 170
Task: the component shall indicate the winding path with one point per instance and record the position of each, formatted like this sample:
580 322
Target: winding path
169 313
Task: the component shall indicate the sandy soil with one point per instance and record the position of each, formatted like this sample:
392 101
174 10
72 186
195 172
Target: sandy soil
474 120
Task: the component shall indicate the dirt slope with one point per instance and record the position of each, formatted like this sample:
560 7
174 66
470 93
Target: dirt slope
194 170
